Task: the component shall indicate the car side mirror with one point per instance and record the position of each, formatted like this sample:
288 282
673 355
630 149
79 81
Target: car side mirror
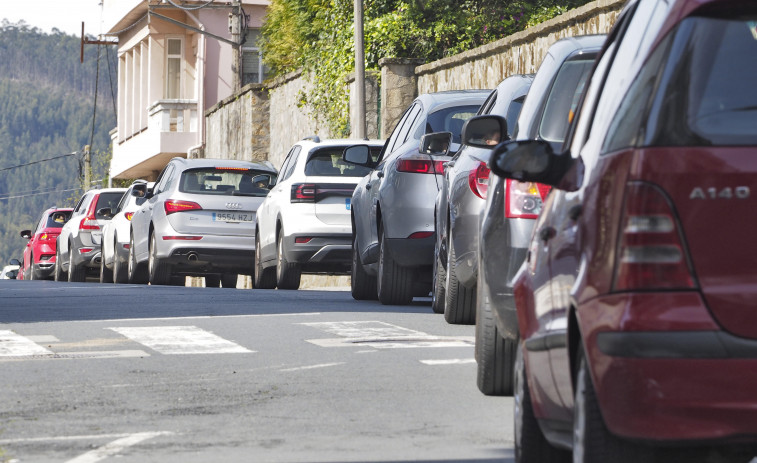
141 191
437 143
531 161
359 155
485 131
26 234
15 262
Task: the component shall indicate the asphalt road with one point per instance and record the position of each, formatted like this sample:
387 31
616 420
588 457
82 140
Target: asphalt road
132 373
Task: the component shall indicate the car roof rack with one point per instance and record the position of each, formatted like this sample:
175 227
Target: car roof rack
314 138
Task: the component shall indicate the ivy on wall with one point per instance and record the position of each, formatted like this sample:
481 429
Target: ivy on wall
317 37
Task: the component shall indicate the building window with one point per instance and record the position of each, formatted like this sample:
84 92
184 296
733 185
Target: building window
253 69
174 54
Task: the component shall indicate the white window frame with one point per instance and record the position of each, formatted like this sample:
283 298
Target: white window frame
261 65
180 57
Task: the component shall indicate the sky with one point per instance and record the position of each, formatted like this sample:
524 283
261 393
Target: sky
66 15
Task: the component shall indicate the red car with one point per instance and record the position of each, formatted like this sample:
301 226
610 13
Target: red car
637 301
39 254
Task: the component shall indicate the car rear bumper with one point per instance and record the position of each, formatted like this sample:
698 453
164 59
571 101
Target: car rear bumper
664 371
327 253
412 252
195 260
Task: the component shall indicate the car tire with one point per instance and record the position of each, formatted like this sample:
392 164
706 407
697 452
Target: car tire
459 302
264 278
159 272
288 274
439 293
212 281
106 274
229 280
530 444
394 282
495 355
75 273
58 273
120 269
362 285
592 441
31 268
136 272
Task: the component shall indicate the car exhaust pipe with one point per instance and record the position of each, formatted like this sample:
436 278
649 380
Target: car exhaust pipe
192 257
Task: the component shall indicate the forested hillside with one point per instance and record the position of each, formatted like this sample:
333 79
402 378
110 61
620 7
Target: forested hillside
46 111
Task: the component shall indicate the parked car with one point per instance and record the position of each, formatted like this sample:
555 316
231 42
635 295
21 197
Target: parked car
39 254
511 207
77 253
393 206
10 271
304 224
198 220
456 214
636 300
114 247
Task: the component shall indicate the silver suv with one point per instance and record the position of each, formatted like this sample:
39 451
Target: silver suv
78 245
198 220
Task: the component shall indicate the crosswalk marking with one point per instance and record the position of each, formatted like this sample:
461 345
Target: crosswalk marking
15 345
448 362
179 340
365 329
381 335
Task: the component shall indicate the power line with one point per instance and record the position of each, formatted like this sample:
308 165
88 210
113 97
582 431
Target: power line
40 161
38 194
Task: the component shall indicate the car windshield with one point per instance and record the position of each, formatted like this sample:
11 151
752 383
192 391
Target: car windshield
229 181
57 219
328 163
450 120
107 200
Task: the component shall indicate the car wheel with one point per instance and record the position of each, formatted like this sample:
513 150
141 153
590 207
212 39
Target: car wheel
31 268
212 281
288 274
394 285
120 269
438 295
58 273
362 285
495 355
75 273
159 272
264 278
459 302
229 280
592 441
106 274
530 444
136 273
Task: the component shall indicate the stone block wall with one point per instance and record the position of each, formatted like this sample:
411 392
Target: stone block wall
371 104
238 127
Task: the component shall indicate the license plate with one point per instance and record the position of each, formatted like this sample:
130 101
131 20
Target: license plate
232 217
347 203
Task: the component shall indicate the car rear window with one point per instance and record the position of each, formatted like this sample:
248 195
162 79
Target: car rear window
328 163
226 181
450 120
109 200
57 219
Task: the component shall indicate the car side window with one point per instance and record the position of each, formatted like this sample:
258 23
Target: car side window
292 163
160 183
81 204
415 126
491 100
392 142
287 160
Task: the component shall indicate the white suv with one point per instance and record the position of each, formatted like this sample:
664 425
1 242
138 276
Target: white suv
304 224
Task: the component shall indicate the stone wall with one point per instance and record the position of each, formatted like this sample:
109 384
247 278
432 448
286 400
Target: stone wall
521 53
372 107
238 127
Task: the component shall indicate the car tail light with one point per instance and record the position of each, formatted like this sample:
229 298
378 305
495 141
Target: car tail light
651 254
303 239
523 200
420 235
47 238
85 250
478 180
89 222
175 205
303 193
416 164
128 215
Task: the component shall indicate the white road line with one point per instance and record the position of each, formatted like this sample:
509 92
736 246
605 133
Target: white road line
15 345
201 317
365 329
178 340
448 362
61 438
408 342
113 448
43 338
311 367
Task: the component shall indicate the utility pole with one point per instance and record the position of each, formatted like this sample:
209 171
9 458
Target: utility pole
235 29
87 168
359 70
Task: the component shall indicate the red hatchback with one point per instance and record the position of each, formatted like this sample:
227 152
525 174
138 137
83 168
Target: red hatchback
39 254
637 304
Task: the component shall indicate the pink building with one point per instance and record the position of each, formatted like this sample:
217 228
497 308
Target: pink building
175 59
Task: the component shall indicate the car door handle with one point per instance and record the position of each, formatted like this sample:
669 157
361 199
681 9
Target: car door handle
547 233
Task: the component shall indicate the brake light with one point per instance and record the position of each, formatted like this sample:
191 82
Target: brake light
129 215
303 239
478 180
651 254
524 200
420 165
303 193
175 205
89 222
47 238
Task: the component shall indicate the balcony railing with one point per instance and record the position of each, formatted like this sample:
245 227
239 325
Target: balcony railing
173 116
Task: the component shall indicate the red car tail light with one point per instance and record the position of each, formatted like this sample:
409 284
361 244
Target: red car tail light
47 238
89 222
416 164
478 180
523 200
303 193
651 254
129 215
175 205
303 239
